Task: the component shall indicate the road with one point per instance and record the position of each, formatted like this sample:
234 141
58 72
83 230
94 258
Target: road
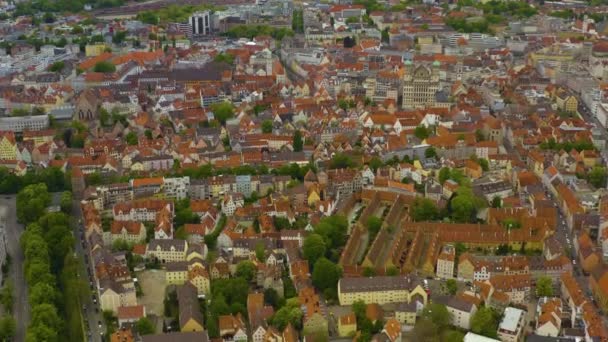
8 213
91 311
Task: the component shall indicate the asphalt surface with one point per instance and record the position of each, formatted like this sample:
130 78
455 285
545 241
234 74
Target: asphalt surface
91 313
8 213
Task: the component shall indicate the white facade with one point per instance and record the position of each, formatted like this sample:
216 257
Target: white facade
200 22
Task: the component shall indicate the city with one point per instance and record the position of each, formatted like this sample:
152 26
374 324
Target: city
283 171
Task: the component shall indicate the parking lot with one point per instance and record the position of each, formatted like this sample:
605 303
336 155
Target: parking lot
153 286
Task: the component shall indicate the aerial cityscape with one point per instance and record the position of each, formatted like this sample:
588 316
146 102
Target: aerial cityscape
289 171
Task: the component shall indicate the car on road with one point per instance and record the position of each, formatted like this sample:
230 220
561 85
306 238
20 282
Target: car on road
99 324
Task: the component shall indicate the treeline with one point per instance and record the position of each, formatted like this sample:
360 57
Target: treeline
73 6
51 269
251 31
173 13
54 179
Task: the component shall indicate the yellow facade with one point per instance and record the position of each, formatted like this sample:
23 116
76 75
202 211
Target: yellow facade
347 329
92 50
176 277
8 150
192 325
382 297
408 318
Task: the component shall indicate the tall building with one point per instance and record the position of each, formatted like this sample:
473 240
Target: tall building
201 23
420 85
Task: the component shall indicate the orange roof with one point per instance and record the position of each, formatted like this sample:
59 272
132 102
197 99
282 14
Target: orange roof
89 63
131 312
147 181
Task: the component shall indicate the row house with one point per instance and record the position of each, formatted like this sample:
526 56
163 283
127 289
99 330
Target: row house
141 210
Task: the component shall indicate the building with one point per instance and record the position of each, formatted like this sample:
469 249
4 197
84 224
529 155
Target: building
472 337
177 336
445 262
23 123
201 23
420 85
167 250
381 290
190 316
512 326
460 310
549 317
347 325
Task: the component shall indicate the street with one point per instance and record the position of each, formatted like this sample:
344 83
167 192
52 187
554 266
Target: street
92 314
8 213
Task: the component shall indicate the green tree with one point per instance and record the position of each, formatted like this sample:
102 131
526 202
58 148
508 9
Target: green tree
246 270
597 176
272 298
485 322
438 314
464 205
41 293
131 138
544 287
444 174
424 209
267 126
451 286
6 297
375 163
104 67
485 165
426 330
314 248
57 66
373 225
290 313
32 202
298 143
496 202
325 274
430 152
66 202
8 328
421 132
144 326
452 336
341 161
223 111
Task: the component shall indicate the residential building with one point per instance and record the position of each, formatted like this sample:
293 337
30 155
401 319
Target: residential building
512 326
380 290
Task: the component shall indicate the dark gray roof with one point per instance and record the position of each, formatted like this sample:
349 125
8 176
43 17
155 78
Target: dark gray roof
454 302
177 336
378 284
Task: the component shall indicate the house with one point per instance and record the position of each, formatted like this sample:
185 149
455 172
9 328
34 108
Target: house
130 314
512 326
122 335
114 294
258 313
177 336
165 250
347 325
190 316
406 313
549 317
132 232
598 282
391 331
8 146
445 262
232 328
381 290
460 310
314 320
